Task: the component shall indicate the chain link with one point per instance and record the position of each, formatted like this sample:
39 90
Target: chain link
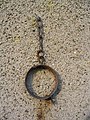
40 52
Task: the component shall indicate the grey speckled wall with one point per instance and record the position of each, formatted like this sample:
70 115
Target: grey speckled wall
67 48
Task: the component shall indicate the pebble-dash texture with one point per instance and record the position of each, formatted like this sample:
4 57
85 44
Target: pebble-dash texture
67 50
43 82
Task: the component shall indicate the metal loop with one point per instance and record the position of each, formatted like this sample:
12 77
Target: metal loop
41 60
40 55
29 79
40 52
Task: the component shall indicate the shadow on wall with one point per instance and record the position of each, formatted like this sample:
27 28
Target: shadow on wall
59 87
88 117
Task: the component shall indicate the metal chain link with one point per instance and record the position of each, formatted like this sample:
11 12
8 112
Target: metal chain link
40 52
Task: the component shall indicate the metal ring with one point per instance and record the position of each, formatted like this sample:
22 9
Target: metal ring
40 55
29 78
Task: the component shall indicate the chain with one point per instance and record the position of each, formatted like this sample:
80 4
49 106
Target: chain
40 52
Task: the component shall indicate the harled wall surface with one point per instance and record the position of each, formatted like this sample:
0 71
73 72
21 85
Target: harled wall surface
67 50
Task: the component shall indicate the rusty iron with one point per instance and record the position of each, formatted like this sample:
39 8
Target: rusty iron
42 66
29 78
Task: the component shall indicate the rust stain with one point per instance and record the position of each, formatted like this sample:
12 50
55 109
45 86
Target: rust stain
43 108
